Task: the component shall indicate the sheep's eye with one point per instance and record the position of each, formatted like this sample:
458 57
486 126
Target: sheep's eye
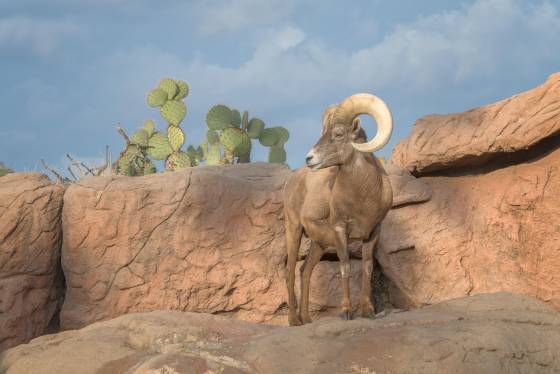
338 135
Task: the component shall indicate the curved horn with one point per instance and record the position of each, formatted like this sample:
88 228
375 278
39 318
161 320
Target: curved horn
328 115
364 103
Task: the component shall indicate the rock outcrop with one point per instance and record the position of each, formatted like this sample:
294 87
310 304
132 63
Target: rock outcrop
30 238
205 239
493 220
439 142
492 333
202 239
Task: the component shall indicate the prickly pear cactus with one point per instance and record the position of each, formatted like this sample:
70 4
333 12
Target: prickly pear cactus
219 117
236 141
183 89
169 86
159 147
214 155
140 137
149 127
254 128
232 132
268 137
178 160
277 155
157 97
176 137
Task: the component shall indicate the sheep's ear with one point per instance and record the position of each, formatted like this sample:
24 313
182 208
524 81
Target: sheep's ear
355 126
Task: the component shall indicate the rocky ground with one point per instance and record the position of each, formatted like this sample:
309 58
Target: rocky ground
487 333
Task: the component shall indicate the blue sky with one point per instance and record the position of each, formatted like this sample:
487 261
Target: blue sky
72 69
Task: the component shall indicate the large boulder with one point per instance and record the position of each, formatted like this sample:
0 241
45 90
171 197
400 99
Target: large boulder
439 142
492 223
30 238
492 333
203 239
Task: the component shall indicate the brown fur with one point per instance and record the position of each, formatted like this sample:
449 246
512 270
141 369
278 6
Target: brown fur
341 197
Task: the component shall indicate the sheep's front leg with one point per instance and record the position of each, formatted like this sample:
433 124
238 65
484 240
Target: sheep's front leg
366 307
344 258
314 256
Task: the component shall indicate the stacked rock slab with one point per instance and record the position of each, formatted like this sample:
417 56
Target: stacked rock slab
30 240
486 334
443 142
493 221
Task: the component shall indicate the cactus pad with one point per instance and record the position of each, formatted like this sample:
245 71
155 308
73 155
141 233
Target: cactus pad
236 141
283 134
176 137
212 137
173 111
149 167
140 137
277 155
183 89
178 160
268 137
254 128
158 146
126 159
213 155
157 97
219 117
149 126
168 85
245 120
235 118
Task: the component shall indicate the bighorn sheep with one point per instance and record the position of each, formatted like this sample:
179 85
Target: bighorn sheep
338 200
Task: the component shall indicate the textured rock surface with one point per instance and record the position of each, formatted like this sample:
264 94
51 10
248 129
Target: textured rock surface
471 138
493 333
205 240
485 229
30 239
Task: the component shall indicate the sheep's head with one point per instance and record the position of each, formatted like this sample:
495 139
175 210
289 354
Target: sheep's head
342 133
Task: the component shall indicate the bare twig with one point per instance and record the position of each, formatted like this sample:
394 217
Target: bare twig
54 172
123 134
72 173
87 168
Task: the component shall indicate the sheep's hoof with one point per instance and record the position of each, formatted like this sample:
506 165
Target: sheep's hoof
306 319
294 321
369 313
346 315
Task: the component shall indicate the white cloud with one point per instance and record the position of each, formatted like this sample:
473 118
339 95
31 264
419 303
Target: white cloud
221 16
37 36
291 76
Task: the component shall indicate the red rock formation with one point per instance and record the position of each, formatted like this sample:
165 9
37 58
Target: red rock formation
493 221
207 239
204 239
30 239
440 142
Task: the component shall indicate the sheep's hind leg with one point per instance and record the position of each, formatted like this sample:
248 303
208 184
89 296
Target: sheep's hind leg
314 256
367 309
293 238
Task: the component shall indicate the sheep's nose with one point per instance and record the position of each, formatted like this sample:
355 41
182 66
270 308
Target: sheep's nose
308 159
